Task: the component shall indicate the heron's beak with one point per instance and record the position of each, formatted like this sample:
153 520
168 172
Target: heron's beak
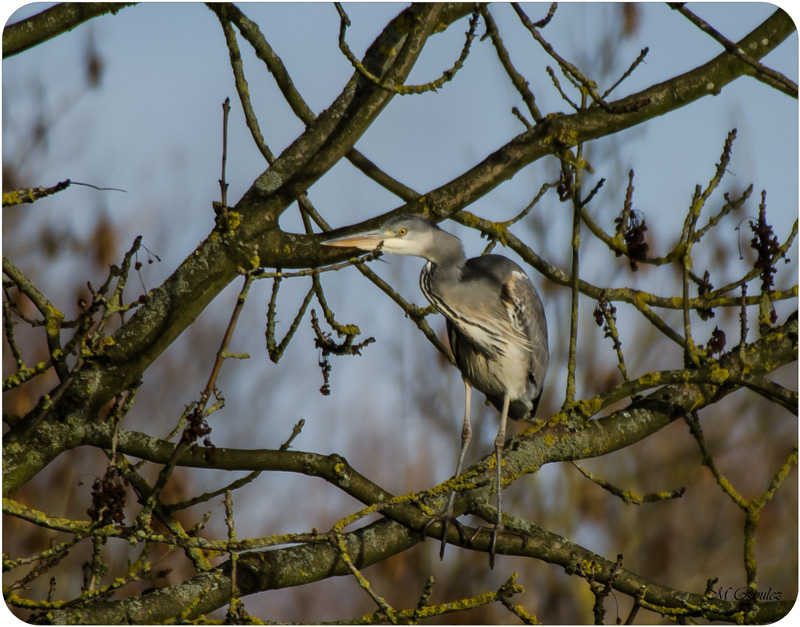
363 241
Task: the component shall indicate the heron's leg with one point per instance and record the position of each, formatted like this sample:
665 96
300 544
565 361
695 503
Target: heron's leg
447 513
466 436
499 443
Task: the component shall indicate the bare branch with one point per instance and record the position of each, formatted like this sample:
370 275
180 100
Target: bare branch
52 22
762 72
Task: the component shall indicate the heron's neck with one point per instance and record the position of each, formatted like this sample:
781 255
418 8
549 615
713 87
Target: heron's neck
449 253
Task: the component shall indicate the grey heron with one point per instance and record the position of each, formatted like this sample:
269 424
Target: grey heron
496 326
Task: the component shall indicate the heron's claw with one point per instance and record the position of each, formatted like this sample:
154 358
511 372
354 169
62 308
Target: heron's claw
445 519
495 531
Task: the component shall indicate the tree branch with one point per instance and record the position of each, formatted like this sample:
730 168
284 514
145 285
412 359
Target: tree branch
53 22
762 72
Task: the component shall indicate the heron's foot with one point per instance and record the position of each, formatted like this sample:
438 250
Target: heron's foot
446 518
495 531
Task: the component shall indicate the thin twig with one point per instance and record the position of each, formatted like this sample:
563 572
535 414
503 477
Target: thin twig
52 316
276 349
384 607
223 348
223 185
629 496
234 606
575 176
628 72
696 430
517 79
388 85
242 88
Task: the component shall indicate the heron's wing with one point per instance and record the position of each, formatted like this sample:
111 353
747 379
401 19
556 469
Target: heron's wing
526 318
506 299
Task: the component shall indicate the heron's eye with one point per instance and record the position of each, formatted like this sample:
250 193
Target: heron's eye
402 231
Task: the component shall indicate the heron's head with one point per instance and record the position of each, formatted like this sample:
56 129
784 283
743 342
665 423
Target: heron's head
404 235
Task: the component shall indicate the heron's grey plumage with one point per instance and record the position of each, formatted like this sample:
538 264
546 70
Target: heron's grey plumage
495 322
500 344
